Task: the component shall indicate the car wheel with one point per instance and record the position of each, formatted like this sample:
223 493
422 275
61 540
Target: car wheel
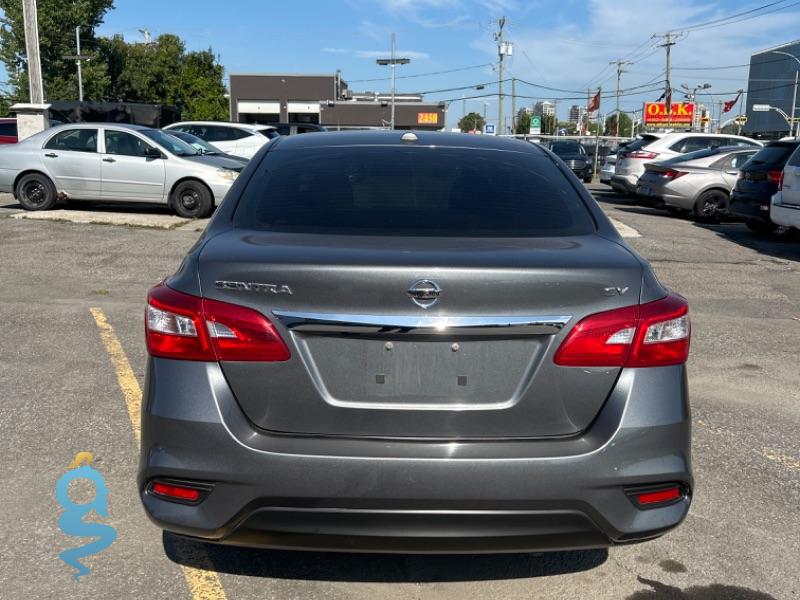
587 179
710 205
760 227
192 200
35 191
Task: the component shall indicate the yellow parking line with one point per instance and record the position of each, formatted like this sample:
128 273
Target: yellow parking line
204 584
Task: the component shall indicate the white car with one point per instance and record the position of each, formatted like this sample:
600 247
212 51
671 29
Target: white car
661 146
785 204
110 162
608 169
238 139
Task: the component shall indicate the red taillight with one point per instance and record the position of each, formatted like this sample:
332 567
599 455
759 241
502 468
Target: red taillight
775 176
186 327
780 182
673 174
641 154
648 335
178 492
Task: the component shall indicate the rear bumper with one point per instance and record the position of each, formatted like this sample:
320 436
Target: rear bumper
286 491
749 206
787 215
625 183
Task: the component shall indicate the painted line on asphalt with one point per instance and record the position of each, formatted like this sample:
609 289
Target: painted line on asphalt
625 231
204 583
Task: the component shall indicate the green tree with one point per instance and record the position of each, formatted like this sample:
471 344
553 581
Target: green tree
523 122
57 22
624 124
164 73
471 121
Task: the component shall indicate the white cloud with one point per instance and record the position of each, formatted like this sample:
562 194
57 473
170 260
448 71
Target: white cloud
569 56
414 54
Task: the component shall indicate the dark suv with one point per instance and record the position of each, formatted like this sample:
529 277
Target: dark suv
575 156
758 181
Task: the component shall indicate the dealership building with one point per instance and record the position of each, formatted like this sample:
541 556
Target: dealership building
326 100
771 82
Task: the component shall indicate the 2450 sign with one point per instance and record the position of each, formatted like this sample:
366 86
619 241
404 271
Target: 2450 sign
655 114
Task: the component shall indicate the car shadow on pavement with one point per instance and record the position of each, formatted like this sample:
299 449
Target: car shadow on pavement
384 568
784 244
716 591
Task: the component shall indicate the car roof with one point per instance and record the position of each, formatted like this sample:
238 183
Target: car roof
217 123
94 125
332 139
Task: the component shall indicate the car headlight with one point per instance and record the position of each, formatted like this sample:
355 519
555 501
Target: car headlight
228 174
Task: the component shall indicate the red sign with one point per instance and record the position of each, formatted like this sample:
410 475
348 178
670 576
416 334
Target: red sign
428 118
655 114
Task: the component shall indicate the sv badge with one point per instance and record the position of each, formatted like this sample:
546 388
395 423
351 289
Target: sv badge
615 291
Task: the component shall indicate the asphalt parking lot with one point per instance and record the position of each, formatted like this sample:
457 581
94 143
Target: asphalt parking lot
72 365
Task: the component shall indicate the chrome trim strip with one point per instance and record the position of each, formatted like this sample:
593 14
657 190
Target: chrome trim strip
420 325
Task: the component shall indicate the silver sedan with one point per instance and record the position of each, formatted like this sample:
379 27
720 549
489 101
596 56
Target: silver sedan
114 162
699 182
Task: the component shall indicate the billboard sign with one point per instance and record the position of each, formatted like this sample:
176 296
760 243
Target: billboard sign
427 118
536 125
656 115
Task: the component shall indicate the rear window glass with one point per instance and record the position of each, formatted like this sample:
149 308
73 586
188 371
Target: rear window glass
390 190
9 129
775 155
639 144
794 159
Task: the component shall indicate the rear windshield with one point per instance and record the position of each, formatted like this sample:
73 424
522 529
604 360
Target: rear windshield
391 190
774 155
640 143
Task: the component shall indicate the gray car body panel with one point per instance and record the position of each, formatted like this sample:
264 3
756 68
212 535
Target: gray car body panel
301 454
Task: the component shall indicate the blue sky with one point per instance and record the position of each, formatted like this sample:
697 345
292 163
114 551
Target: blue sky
563 44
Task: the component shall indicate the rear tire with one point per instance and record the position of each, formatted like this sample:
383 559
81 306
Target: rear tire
760 227
587 179
709 206
35 191
192 200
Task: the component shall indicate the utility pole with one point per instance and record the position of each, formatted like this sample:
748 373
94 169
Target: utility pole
502 50
620 64
393 62
31 22
669 42
78 57
514 105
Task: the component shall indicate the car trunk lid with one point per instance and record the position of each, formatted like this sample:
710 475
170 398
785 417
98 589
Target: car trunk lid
367 360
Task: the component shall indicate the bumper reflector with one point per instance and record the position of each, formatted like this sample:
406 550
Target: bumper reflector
655 497
177 492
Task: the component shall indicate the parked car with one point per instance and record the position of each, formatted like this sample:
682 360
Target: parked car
8 131
296 128
631 161
608 169
759 180
424 342
700 181
204 148
239 139
785 205
575 157
101 161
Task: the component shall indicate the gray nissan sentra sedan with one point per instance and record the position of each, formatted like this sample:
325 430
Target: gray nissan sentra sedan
414 342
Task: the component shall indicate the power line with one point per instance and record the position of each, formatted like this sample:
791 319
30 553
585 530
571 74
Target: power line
735 18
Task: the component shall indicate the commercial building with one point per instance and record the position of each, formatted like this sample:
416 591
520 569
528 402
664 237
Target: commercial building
772 82
326 100
577 113
543 108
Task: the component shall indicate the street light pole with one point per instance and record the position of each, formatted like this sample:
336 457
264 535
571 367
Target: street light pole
393 62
